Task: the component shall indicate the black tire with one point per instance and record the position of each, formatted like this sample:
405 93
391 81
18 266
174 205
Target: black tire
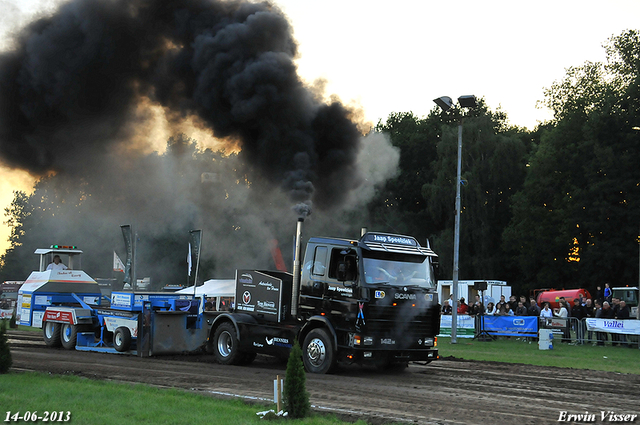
248 357
51 333
68 335
318 352
122 339
226 345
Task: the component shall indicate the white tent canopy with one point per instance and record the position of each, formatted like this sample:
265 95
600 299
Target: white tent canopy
213 288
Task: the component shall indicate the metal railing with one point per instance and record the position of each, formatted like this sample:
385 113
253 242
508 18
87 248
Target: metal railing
568 330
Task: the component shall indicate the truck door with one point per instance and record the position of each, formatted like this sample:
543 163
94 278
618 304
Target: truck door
342 278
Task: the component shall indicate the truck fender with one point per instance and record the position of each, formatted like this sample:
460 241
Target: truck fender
318 322
236 319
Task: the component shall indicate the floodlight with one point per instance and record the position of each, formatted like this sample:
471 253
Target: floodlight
444 102
467 101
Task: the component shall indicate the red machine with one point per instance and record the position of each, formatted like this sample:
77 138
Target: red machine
553 296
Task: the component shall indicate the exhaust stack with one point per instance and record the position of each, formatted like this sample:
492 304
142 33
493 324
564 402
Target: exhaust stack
295 291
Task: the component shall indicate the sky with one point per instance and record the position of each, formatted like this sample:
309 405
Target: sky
398 56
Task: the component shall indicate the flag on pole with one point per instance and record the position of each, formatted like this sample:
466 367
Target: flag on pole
189 259
118 265
128 243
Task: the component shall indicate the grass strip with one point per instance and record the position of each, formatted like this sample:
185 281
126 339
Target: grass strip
104 402
607 358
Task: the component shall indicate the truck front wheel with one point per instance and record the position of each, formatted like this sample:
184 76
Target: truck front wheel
317 352
226 345
68 335
51 332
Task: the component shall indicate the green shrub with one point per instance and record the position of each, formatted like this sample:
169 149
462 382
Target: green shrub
296 397
12 321
5 353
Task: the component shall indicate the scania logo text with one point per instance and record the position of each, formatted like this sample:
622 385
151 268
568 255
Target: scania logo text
399 296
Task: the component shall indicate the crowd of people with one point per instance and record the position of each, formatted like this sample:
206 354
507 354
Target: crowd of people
605 306
501 308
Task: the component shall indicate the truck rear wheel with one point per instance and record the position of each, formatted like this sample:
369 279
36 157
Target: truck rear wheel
317 352
122 339
51 332
68 335
226 345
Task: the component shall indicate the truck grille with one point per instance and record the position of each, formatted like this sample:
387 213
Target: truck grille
401 321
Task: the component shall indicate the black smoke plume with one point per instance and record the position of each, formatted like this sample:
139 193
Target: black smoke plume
69 89
75 96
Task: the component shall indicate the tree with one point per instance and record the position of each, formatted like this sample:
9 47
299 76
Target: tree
5 353
296 397
421 200
575 223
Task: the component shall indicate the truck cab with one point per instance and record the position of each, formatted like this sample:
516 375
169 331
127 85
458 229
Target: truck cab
379 294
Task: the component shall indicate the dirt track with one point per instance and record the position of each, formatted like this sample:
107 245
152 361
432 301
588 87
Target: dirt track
446 391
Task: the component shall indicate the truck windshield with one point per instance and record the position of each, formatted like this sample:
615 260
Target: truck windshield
398 269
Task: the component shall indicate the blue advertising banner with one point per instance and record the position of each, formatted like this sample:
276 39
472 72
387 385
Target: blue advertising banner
511 325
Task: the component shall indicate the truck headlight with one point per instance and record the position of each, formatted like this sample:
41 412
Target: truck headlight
368 340
429 342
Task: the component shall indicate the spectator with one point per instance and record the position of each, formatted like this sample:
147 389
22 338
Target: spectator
578 312
599 295
583 300
524 302
566 305
501 302
513 304
463 308
505 310
546 311
563 313
491 309
607 293
521 310
534 309
600 336
446 308
615 306
623 314
605 313
590 311
477 309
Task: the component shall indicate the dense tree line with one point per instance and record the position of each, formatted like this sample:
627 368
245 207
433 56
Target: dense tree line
554 207
557 206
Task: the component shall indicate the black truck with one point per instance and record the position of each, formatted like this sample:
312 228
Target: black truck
367 301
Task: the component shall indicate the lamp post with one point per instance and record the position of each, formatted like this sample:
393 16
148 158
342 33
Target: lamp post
446 103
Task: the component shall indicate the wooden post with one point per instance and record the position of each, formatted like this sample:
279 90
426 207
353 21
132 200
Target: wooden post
279 393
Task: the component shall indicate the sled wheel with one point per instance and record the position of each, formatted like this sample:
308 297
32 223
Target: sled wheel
68 335
122 339
51 332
